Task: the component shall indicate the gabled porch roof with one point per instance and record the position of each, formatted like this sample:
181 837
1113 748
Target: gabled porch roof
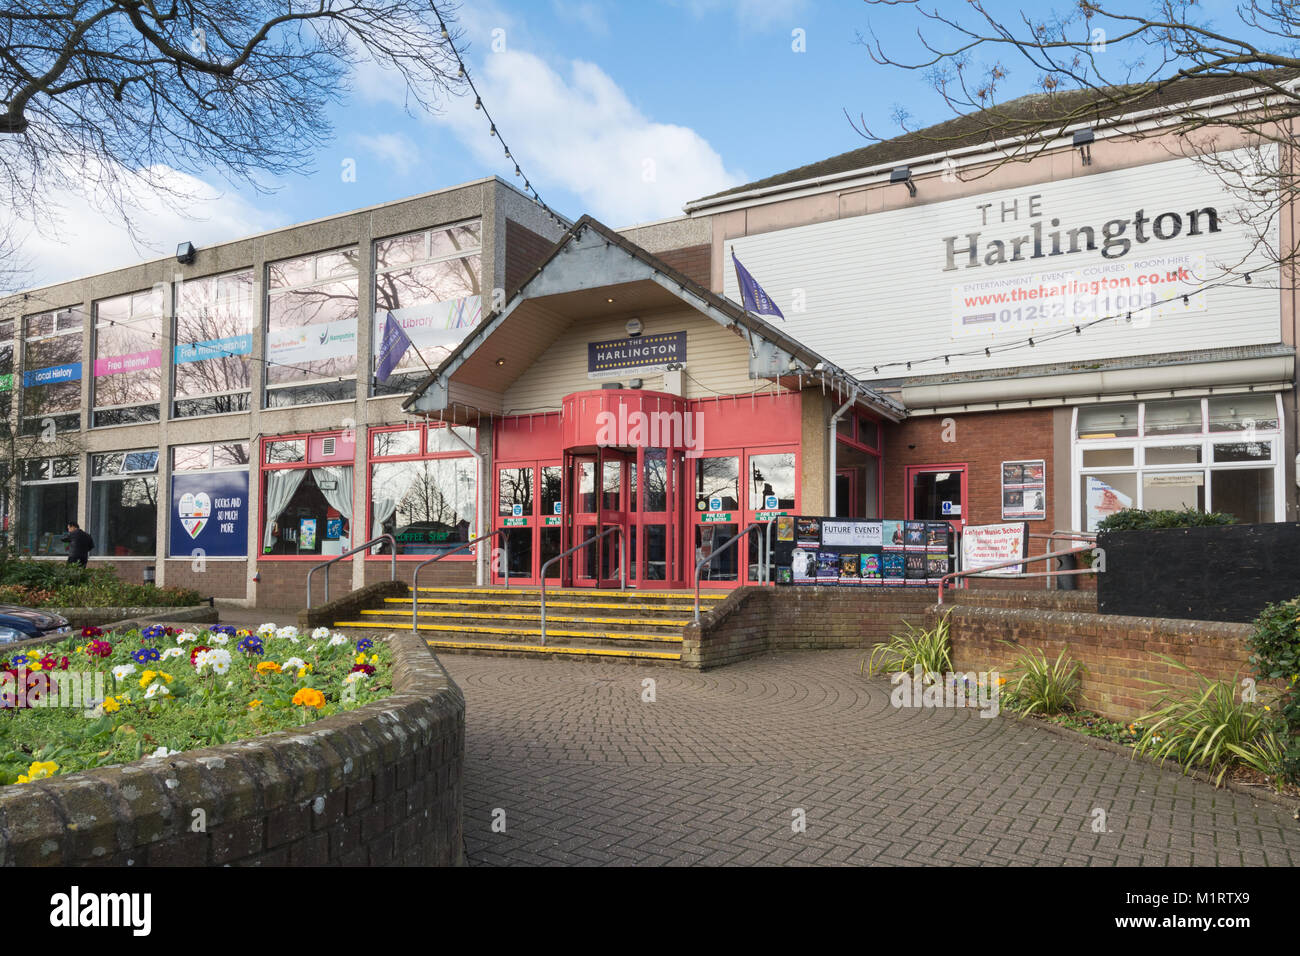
593 271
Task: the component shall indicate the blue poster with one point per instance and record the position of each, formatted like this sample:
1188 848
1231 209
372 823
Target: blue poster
209 512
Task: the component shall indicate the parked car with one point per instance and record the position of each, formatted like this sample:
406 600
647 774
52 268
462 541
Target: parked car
19 623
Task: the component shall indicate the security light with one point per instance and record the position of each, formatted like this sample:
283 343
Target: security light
1083 140
903 174
185 253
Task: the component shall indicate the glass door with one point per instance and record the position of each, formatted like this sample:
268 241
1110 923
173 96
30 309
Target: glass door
937 493
582 522
617 475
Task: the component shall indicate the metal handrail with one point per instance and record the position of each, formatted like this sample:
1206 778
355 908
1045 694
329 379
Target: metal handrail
976 572
347 554
622 565
714 553
415 575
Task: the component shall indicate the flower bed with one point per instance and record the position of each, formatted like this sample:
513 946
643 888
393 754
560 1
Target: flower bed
102 699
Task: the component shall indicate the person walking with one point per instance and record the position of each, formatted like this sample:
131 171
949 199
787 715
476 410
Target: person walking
80 544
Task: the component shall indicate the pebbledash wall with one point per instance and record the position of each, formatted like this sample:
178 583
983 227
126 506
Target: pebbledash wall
377 786
132 389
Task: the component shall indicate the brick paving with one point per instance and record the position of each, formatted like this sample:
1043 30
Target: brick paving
713 770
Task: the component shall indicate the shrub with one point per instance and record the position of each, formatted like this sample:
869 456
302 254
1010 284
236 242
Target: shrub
1039 686
1209 727
50 584
1135 519
1275 643
927 648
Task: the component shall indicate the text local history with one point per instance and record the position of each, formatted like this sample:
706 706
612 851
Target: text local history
971 250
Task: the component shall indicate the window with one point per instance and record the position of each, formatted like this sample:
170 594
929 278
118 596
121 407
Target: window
429 281
6 375
128 358
771 475
209 457
717 478
47 501
52 371
209 501
124 503
1220 453
515 488
212 353
311 329
426 497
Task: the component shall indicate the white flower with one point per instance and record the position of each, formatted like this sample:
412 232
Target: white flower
172 652
163 752
219 639
186 637
288 633
218 659
310 648
266 630
337 639
157 689
293 664
320 633
356 676
123 671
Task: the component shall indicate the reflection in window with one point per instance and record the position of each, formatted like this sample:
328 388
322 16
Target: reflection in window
311 333
128 357
47 501
213 350
124 503
771 475
551 497
52 371
656 480
717 478
427 505
515 487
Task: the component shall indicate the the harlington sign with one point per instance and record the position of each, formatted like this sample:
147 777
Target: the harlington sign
642 354
1135 258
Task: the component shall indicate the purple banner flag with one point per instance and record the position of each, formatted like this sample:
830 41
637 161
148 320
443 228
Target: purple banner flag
752 295
391 348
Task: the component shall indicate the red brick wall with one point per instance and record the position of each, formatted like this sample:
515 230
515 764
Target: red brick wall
441 574
982 441
694 262
1118 654
223 579
525 251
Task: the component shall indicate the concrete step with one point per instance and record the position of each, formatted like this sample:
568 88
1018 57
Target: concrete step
402 618
683 610
517 634
585 651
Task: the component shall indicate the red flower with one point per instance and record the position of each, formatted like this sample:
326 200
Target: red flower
91 632
63 663
99 648
366 669
47 663
197 651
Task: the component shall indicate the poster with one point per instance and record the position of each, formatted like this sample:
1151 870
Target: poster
307 534
803 566
892 533
869 568
785 528
1024 490
914 535
333 529
984 545
840 533
209 514
808 532
1103 500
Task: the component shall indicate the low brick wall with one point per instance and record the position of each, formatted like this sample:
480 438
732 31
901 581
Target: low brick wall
349 606
1117 652
375 786
121 617
753 621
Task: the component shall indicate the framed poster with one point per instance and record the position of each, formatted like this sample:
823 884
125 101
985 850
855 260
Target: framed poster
1024 490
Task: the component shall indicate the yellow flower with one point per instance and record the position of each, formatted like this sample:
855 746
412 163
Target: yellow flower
147 678
268 667
361 659
111 705
34 655
304 670
374 658
39 771
307 697
254 703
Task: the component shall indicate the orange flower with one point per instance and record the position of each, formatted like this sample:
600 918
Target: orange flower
254 703
268 667
306 697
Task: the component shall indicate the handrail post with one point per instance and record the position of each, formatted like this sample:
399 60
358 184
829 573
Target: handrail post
703 561
392 543
565 554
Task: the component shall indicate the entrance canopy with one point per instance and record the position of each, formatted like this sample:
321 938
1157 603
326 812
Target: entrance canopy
591 273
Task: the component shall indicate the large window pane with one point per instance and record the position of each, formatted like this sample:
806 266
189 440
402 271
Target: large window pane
1173 491
1246 493
771 475
52 371
1173 418
1108 421
1244 451
515 488
124 515
44 513
1173 454
1230 413
315 518
128 357
214 344
720 478
656 480
551 499
311 334
1103 495
428 505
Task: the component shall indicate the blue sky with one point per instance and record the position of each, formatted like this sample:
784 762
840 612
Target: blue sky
622 110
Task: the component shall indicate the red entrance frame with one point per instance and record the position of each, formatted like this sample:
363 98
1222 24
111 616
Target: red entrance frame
344 455
911 471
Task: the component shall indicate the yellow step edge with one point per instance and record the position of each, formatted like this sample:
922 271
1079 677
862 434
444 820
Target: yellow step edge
615 605
586 635
549 649
594 592
563 618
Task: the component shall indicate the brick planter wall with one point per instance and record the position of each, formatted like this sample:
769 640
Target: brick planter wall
1116 652
375 786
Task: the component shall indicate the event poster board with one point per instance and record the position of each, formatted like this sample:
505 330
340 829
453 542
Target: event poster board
858 552
984 545
1024 490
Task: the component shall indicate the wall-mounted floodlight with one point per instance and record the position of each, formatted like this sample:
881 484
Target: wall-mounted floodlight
903 174
185 253
1083 140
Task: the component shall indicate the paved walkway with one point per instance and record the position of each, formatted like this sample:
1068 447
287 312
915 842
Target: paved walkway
718 768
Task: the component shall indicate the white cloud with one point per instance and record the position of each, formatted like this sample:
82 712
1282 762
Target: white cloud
751 13
586 13
85 241
582 133
394 150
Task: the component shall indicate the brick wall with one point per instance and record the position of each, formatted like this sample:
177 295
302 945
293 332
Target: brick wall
525 250
753 621
442 574
694 262
982 441
379 785
284 583
1118 653
223 579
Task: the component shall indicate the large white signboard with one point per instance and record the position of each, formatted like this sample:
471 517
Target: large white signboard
988 544
1138 253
